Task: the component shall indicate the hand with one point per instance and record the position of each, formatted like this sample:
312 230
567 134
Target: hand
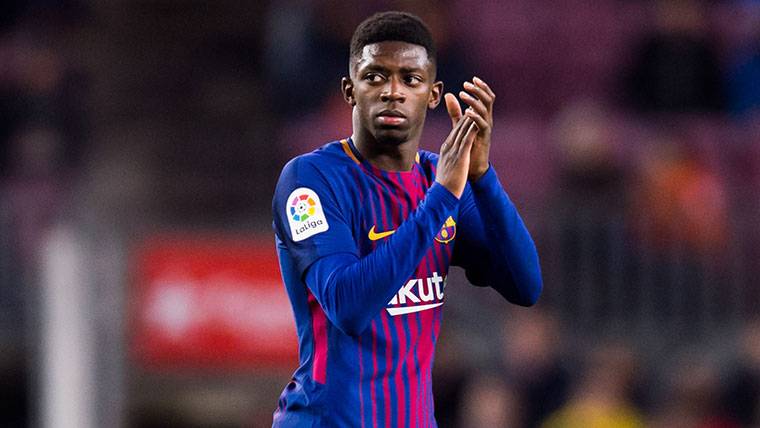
454 160
479 97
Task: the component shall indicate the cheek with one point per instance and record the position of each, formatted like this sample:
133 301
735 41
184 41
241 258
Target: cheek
359 100
364 97
363 107
362 104
423 102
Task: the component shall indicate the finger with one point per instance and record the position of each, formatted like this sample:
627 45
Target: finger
461 132
474 103
462 136
480 82
453 107
464 122
468 138
478 119
479 93
449 141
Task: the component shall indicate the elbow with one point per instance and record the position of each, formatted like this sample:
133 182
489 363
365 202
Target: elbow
527 292
532 287
522 290
532 293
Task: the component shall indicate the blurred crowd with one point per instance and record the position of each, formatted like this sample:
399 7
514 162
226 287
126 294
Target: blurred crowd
536 377
43 138
43 120
627 132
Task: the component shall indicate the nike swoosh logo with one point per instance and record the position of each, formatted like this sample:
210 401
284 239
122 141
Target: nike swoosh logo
374 236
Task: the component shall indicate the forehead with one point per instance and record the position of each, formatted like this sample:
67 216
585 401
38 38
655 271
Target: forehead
393 55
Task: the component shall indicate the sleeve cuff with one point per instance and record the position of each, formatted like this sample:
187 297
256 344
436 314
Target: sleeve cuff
488 180
439 192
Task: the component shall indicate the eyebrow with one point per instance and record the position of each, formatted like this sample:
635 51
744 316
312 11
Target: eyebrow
410 69
375 67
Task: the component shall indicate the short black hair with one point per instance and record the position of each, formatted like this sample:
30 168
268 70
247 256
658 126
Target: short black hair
392 26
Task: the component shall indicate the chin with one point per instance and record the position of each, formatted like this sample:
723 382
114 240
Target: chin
392 136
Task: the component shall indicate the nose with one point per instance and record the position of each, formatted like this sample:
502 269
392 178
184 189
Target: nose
393 91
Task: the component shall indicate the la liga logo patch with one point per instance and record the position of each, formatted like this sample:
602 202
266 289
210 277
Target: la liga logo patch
305 215
302 207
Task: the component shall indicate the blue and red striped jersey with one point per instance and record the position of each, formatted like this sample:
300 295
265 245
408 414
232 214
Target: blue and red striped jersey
364 255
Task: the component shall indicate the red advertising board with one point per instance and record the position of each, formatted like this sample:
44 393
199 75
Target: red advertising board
210 303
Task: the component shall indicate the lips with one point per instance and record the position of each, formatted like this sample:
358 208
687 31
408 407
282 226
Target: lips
391 117
391 113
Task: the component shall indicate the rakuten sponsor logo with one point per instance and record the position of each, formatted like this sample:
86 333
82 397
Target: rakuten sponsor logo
418 294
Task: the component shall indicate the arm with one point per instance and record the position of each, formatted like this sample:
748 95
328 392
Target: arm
495 248
352 290
493 244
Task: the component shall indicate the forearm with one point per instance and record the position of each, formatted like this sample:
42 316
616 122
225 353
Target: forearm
352 290
509 257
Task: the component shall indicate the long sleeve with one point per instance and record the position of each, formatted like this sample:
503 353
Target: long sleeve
352 290
493 244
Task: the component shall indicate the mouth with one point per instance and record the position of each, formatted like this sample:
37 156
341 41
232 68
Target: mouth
391 117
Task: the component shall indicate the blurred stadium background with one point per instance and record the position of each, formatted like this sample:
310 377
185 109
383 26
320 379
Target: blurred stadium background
140 142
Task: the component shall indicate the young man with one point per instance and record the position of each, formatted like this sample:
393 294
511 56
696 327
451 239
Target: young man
367 227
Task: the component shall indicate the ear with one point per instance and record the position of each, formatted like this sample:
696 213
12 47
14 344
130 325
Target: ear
435 95
347 89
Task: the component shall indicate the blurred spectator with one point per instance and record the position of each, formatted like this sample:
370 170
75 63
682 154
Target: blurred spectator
676 69
590 194
34 192
744 72
680 218
691 400
602 398
681 199
332 121
307 51
534 366
450 376
42 139
489 402
39 87
586 153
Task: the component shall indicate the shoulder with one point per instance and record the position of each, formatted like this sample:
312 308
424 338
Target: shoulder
427 157
429 162
321 172
317 164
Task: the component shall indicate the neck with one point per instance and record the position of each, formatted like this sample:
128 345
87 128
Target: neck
386 156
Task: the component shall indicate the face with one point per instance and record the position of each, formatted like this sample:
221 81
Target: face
391 87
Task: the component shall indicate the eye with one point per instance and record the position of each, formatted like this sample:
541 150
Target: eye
412 79
373 77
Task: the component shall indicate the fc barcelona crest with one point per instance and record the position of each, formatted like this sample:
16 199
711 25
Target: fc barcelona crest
448 231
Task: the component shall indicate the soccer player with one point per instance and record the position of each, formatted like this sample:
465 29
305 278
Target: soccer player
367 227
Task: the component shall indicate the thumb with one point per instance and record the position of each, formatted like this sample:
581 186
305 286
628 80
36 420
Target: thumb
453 107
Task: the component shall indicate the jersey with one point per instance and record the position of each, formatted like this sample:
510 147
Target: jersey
366 344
